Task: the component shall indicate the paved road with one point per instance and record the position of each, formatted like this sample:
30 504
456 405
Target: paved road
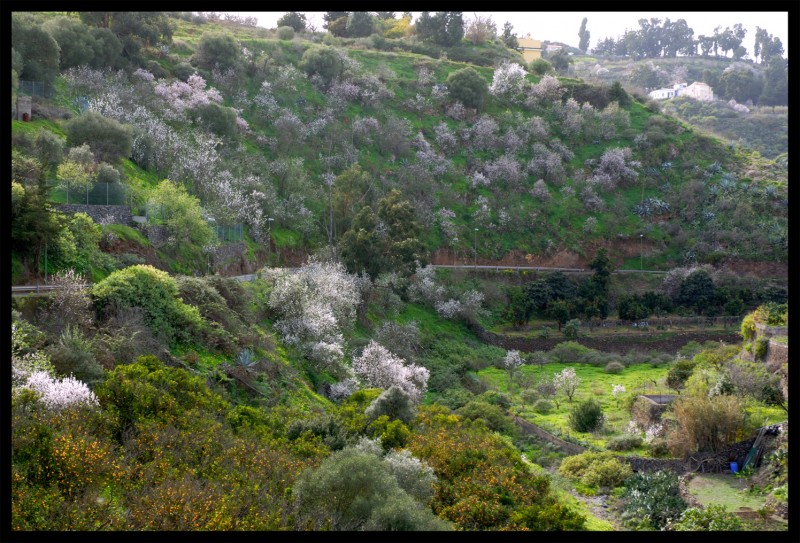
533 268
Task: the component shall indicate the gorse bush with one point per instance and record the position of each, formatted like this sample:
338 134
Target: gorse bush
614 367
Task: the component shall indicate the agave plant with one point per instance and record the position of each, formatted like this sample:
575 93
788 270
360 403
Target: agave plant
246 358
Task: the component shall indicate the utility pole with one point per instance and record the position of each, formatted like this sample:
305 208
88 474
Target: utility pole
641 257
269 239
475 264
455 251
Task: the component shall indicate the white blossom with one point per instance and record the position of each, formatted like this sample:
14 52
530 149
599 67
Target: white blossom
377 367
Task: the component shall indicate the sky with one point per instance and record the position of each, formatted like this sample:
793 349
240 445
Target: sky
563 27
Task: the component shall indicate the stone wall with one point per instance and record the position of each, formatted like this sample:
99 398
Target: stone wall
157 234
101 214
530 428
615 344
229 252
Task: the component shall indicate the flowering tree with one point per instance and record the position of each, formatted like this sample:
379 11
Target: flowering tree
617 391
508 81
377 367
59 394
567 382
314 304
512 363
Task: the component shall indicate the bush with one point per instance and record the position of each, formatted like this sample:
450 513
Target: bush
624 442
587 416
595 469
323 61
539 66
679 373
183 70
494 416
394 403
760 350
651 500
109 139
285 33
713 518
218 119
569 351
217 49
543 406
156 293
706 424
468 87
614 367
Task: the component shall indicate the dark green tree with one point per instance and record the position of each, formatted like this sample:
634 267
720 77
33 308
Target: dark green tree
616 93
776 83
39 51
109 139
34 222
322 60
403 247
740 84
696 291
468 87
217 49
560 311
360 246
293 19
336 22
508 37
218 119
583 34
359 24
560 60
74 39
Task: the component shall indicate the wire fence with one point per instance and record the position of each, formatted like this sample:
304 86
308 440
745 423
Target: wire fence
36 88
234 232
103 194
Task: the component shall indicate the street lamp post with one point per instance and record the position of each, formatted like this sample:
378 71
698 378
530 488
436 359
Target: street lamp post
455 251
269 239
641 257
476 249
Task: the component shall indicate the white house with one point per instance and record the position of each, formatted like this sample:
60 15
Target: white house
665 94
697 90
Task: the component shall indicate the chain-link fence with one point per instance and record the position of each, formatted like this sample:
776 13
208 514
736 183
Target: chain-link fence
102 194
36 88
234 232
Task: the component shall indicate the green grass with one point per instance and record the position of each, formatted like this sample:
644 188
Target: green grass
560 486
726 490
594 383
127 233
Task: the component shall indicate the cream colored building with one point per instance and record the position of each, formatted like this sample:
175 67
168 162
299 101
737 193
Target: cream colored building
699 91
530 49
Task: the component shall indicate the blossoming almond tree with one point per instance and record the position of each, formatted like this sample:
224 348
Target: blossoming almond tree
567 381
377 367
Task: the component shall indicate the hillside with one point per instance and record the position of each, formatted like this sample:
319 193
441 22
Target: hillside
262 308
526 169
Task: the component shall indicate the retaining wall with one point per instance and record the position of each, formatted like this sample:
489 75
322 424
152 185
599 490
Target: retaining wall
616 344
101 214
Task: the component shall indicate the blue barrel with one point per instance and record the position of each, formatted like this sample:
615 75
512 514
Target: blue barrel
734 467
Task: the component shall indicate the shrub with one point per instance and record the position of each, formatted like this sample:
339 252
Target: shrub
760 350
712 518
748 327
217 49
493 415
285 33
156 293
468 87
614 367
109 139
595 469
608 473
679 373
529 396
218 119
706 424
393 403
651 500
568 351
624 442
586 416
73 355
323 61
543 406
540 66
183 70
571 328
